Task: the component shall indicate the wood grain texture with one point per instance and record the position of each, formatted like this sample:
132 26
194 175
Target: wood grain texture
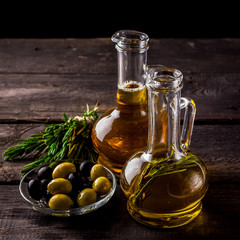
98 56
46 96
57 56
196 55
216 145
42 78
218 219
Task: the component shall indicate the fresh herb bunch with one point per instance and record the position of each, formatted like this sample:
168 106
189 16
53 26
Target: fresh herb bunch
163 166
68 140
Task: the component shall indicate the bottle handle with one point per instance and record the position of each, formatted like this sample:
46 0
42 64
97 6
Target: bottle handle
189 116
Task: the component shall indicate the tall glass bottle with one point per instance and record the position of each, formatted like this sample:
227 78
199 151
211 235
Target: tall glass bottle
166 182
122 130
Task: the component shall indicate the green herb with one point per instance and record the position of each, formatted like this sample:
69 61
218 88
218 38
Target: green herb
161 167
68 140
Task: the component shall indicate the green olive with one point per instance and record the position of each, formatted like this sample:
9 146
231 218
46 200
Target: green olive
60 201
59 185
86 196
102 185
98 171
63 169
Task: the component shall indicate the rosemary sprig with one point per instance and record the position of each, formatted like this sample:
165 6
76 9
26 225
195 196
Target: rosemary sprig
68 140
161 167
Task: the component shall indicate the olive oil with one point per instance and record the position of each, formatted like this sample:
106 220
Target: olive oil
171 197
131 93
122 130
165 182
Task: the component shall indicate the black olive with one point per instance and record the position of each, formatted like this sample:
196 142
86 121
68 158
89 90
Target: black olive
76 180
88 184
35 189
77 165
47 195
44 183
73 195
45 173
85 168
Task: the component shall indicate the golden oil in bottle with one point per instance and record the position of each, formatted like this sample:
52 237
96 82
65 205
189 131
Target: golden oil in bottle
131 93
122 130
171 197
165 182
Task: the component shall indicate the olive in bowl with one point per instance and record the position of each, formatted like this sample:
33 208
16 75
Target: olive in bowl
66 203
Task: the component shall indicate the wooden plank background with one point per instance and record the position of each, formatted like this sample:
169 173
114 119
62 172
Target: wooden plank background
42 78
52 76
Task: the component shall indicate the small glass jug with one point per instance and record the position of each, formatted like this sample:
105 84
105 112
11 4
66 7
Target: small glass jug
165 183
122 130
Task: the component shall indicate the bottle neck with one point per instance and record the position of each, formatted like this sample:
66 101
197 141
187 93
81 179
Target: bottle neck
131 78
131 66
164 137
132 49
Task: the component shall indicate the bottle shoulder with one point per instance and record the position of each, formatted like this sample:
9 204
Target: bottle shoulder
142 166
120 132
121 121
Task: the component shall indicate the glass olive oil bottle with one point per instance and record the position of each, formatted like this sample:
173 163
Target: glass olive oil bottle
122 130
165 183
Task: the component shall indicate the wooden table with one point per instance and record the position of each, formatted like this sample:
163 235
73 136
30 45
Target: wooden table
42 78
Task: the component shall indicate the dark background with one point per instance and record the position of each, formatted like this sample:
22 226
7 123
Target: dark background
79 19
